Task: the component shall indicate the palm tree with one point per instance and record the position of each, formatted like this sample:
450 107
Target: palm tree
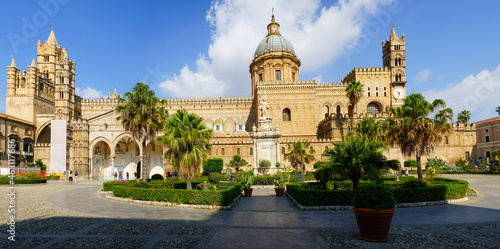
464 116
369 127
412 130
444 115
298 156
356 156
498 110
186 138
354 91
237 162
143 115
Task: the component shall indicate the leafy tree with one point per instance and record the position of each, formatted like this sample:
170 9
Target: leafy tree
237 162
462 163
38 163
496 154
354 92
186 138
298 156
498 110
444 115
143 115
358 155
213 164
412 130
464 116
369 127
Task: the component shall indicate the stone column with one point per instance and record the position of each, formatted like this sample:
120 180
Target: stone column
91 175
112 162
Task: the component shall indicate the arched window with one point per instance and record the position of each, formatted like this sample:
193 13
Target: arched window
222 152
23 82
445 139
373 108
238 151
327 111
286 115
338 110
283 150
349 110
251 151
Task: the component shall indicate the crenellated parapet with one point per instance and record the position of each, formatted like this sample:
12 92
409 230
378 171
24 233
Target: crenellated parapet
220 100
364 70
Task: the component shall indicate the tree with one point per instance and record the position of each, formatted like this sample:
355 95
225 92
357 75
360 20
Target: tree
354 92
498 110
369 127
358 155
237 162
444 115
143 115
298 156
496 155
412 130
186 138
464 116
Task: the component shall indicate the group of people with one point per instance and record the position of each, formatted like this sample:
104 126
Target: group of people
70 176
120 176
173 174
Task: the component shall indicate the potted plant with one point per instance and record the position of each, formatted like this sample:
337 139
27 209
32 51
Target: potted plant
247 181
373 205
279 186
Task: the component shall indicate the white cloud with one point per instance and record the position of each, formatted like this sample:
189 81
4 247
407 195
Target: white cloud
88 93
318 79
423 75
477 93
318 33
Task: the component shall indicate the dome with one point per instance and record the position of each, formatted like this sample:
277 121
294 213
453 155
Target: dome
274 42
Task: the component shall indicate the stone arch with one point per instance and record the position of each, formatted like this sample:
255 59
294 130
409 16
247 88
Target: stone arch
374 107
118 139
95 142
45 128
229 125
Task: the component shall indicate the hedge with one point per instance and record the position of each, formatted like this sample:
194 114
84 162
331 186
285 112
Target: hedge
320 197
200 197
24 181
409 195
213 164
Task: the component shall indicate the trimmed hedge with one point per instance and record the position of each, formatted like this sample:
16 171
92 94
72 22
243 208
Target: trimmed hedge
409 195
200 197
320 197
24 181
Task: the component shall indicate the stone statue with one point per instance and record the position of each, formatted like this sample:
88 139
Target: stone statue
263 108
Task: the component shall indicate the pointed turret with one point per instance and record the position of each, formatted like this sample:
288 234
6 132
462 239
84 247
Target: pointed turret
52 37
13 63
393 32
33 63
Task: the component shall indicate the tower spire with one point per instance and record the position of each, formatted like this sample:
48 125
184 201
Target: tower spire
13 63
33 64
393 32
52 37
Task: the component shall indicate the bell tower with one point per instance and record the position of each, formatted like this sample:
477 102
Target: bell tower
394 58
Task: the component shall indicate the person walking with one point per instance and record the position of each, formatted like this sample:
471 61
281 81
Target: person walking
127 175
70 176
76 176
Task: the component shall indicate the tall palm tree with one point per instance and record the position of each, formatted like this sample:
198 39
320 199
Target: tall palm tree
464 116
187 140
369 127
412 130
358 155
143 115
298 156
354 91
444 115
498 110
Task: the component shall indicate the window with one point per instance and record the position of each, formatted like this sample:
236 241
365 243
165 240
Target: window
238 151
368 94
373 108
467 155
45 58
293 76
286 114
260 77
327 111
283 150
13 128
338 110
445 139
240 127
27 131
277 75
486 139
251 151
488 154
218 127
222 152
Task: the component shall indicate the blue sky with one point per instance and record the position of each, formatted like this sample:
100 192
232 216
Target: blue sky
203 48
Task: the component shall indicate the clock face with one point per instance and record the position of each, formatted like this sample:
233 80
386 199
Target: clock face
399 93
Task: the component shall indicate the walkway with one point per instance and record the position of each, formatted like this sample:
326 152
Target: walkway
262 221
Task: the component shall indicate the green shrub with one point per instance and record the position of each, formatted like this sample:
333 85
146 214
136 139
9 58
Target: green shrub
455 189
319 197
264 163
410 163
209 197
320 164
452 169
206 186
23 180
494 168
374 196
157 177
214 177
417 183
462 163
32 175
213 164
422 194
295 172
324 175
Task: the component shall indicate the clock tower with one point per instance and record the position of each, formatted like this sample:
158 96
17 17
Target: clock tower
394 58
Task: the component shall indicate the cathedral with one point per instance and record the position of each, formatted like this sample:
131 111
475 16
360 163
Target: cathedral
73 133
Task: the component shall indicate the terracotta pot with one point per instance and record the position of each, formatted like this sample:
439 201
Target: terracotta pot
279 191
248 192
374 225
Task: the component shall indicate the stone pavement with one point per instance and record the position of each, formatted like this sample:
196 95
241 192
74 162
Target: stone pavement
262 221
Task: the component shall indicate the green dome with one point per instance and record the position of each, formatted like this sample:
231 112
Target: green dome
274 42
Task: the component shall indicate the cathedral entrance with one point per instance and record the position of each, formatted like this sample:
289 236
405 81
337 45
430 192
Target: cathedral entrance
138 171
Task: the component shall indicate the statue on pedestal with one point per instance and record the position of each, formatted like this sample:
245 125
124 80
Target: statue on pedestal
263 108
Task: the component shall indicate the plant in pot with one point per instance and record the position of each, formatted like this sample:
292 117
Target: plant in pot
374 206
247 181
279 186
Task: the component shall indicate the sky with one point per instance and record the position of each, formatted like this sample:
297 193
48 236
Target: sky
203 48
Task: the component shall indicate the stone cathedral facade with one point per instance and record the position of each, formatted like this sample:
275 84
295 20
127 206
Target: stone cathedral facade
97 146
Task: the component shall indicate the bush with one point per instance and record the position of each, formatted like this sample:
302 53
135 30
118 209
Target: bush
295 172
374 196
157 177
410 163
462 163
452 169
417 183
33 176
264 163
320 164
206 186
494 168
423 194
324 175
320 197
209 197
214 177
213 164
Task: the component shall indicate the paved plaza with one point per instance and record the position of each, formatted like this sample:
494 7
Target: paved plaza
68 215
